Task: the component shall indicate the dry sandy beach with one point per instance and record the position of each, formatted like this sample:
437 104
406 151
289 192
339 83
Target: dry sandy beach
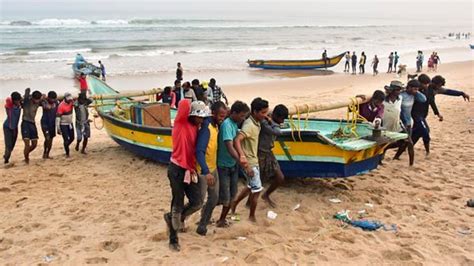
107 206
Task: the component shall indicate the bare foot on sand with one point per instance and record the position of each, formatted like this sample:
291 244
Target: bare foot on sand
270 202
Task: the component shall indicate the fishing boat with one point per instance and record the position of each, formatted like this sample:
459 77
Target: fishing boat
472 46
81 66
307 148
296 64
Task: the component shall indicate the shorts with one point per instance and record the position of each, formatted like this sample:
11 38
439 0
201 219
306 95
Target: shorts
421 130
28 130
83 130
268 164
228 179
49 131
254 183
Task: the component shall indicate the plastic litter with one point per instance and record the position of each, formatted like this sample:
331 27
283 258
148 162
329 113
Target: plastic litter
366 225
224 259
272 215
370 205
48 258
335 200
297 206
243 238
235 218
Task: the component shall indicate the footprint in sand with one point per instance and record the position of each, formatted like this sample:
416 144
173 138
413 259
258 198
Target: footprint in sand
97 260
18 182
5 190
110 246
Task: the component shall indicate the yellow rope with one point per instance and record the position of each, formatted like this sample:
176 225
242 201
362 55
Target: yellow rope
292 128
307 117
299 122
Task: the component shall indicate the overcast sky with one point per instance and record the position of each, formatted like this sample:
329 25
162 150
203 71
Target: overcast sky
29 9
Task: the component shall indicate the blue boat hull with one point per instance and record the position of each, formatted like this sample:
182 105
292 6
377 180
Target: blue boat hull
291 169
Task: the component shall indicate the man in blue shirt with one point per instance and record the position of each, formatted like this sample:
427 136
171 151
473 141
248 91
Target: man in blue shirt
10 126
227 158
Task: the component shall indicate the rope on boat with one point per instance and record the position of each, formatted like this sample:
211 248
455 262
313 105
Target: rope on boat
95 115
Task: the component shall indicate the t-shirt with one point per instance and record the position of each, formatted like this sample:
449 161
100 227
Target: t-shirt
354 59
65 112
390 59
184 135
13 114
83 84
391 115
407 104
49 113
268 133
251 131
369 112
228 131
206 150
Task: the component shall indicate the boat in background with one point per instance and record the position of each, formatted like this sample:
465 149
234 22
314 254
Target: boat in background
307 148
81 66
296 64
472 46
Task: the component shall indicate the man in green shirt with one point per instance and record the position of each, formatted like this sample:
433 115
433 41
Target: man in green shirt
246 144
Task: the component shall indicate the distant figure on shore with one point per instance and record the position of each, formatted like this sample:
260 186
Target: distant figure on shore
64 123
179 72
431 63
83 127
102 70
436 61
325 59
390 63
395 62
347 66
48 121
362 61
167 96
215 93
28 124
375 64
10 126
419 61
354 63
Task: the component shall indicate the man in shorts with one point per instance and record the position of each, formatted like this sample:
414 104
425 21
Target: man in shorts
48 121
246 144
29 132
227 158
269 167
83 128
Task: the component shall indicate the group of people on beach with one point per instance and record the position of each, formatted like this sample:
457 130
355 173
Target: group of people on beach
211 144
351 60
57 118
405 109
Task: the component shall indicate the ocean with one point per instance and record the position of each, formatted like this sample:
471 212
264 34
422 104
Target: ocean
43 45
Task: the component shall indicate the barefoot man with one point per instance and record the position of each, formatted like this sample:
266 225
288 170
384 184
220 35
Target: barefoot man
246 144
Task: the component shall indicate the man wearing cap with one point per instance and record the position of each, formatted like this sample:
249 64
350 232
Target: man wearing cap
206 155
64 121
392 107
182 167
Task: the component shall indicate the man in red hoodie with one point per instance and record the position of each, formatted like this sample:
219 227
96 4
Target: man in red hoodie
182 167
